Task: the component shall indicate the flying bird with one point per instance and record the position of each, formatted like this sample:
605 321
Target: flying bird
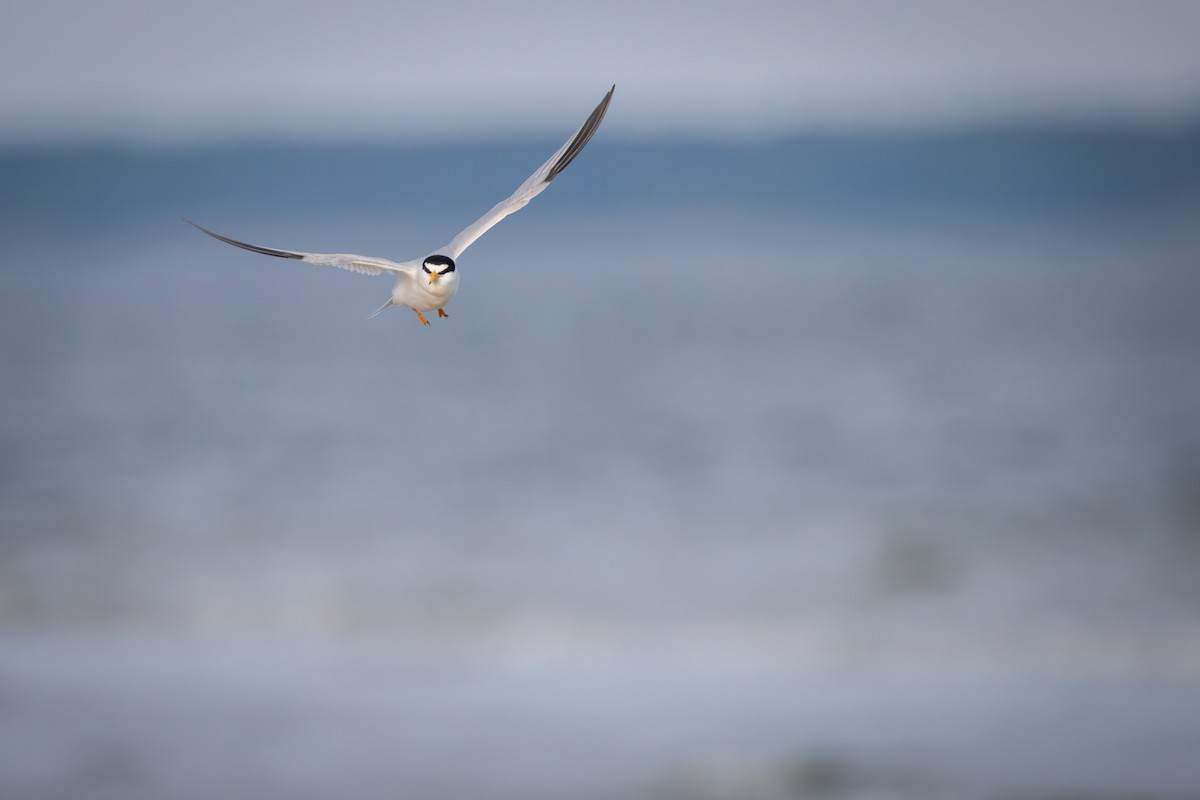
429 283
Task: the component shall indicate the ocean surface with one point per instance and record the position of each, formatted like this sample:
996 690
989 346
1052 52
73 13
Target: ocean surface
838 466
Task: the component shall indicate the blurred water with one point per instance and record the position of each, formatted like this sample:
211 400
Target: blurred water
719 482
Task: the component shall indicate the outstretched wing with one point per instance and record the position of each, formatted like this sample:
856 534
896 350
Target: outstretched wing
534 186
365 265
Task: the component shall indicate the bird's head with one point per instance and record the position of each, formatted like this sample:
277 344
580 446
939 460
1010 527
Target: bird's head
438 269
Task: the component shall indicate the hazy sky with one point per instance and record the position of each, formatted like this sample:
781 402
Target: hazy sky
155 69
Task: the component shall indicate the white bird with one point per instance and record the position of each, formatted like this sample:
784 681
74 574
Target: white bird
429 283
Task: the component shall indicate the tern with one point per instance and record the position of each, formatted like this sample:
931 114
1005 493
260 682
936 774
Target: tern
429 283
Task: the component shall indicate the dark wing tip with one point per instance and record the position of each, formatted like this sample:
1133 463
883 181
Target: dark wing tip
583 136
253 248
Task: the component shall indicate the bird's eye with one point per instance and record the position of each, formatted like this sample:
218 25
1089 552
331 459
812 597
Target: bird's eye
443 263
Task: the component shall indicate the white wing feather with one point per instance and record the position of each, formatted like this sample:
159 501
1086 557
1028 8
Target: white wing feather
533 186
364 265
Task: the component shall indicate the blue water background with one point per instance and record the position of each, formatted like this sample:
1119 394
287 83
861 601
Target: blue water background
845 464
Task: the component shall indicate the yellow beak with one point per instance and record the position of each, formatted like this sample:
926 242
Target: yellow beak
434 277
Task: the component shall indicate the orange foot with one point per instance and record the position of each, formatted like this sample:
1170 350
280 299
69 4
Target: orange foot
421 317
442 313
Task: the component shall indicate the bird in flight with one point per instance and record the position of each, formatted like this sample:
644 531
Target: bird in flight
429 283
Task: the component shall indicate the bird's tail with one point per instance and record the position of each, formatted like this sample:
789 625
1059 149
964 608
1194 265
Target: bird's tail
381 308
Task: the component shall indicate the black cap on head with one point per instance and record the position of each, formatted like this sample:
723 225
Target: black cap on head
437 262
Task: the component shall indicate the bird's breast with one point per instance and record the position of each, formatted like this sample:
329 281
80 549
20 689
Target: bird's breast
420 294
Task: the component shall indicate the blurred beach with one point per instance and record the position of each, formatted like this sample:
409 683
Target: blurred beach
836 465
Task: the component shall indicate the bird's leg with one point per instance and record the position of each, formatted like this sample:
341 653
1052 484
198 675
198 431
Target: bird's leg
442 313
421 317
